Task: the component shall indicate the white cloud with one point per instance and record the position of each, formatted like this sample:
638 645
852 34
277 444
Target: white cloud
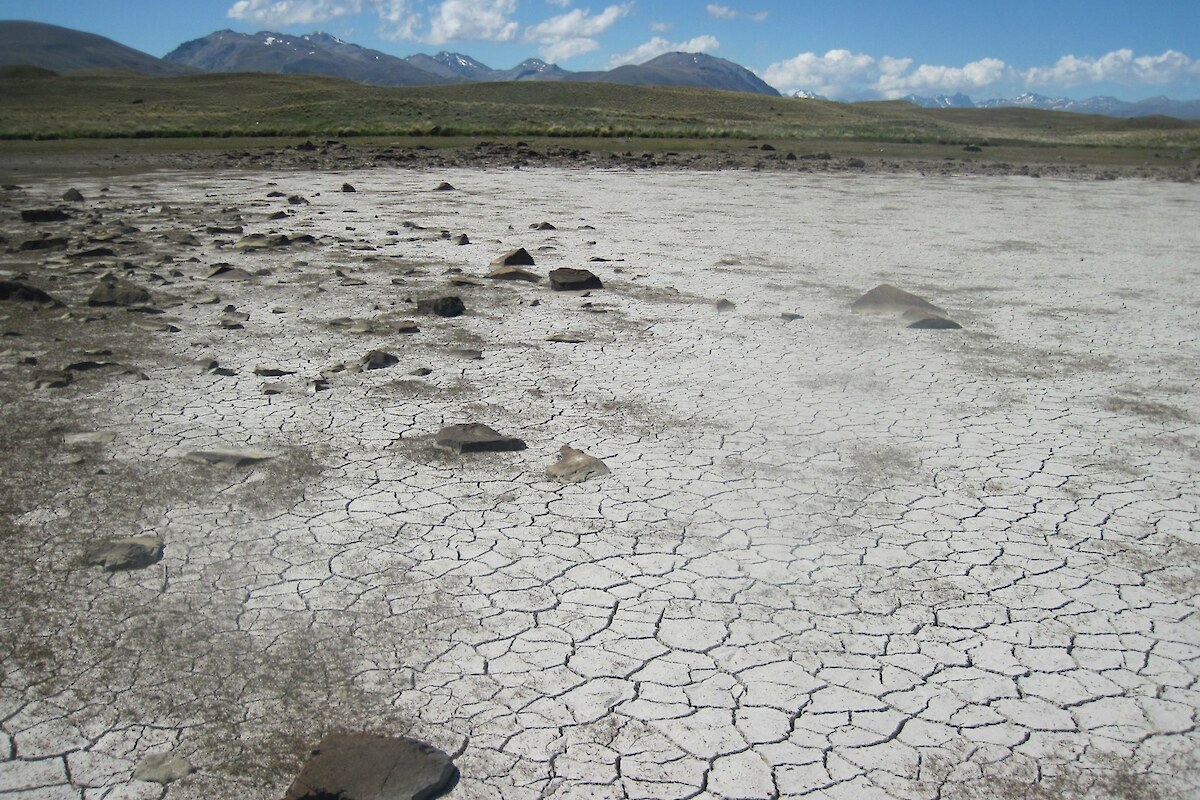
579 22
292 12
718 11
486 20
838 73
567 48
1119 66
856 76
573 33
929 77
658 45
396 21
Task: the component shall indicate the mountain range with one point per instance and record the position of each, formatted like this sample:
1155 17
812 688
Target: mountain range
1106 106
60 49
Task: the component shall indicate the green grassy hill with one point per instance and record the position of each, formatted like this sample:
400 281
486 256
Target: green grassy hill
102 106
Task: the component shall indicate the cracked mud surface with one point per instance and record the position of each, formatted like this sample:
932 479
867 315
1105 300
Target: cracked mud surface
834 557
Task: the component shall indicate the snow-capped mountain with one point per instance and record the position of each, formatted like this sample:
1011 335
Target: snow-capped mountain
1103 105
804 94
452 66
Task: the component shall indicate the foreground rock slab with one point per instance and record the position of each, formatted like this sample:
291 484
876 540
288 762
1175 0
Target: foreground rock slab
887 299
162 768
475 437
360 766
230 457
134 552
575 466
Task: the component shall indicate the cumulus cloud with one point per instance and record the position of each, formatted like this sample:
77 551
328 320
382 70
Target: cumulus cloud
929 77
658 45
292 12
856 76
485 20
718 11
573 33
1119 66
396 19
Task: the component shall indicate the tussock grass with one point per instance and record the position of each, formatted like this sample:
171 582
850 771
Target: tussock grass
266 105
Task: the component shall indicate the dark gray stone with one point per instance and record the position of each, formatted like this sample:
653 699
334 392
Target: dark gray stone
514 258
513 274
17 292
475 437
569 279
451 306
378 359
935 323
44 215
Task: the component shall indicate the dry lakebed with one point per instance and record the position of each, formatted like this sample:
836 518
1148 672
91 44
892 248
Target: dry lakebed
721 485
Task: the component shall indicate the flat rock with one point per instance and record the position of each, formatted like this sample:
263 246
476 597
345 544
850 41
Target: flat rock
90 437
514 258
475 437
17 292
543 226
51 380
162 768
134 552
935 323
44 215
575 466
230 456
569 279
112 291
361 766
451 306
567 338
348 188
263 241
443 187
378 359
227 272
44 243
887 299
513 274
272 372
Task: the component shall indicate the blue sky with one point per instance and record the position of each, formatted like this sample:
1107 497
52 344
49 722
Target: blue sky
846 50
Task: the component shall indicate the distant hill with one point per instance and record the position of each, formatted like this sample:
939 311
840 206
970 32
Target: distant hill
452 66
58 49
532 69
322 54
312 54
1105 106
698 70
